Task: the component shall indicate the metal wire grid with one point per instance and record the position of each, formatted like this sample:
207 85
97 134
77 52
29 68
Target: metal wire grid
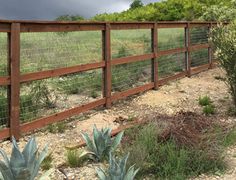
171 38
45 97
44 51
199 57
171 64
130 42
199 35
128 76
3 54
4 110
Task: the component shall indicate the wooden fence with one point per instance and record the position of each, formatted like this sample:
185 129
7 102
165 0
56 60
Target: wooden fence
15 78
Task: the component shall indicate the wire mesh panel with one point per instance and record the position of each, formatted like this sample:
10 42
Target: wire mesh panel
45 97
128 76
199 57
44 51
130 42
3 54
199 35
171 38
4 110
171 64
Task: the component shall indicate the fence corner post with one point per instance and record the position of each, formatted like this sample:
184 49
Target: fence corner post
188 54
107 70
14 95
154 60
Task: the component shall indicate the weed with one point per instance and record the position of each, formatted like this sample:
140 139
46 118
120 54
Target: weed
204 101
61 126
47 162
57 127
94 94
209 109
230 138
74 158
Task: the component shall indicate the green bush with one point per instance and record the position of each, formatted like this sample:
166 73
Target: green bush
75 157
224 40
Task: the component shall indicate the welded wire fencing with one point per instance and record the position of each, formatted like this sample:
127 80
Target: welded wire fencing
51 71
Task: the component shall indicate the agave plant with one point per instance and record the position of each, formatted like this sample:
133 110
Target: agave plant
102 143
117 170
22 165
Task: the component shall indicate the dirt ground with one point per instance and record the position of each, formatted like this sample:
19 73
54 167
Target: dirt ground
169 99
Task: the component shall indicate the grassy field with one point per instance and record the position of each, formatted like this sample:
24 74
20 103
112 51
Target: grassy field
45 51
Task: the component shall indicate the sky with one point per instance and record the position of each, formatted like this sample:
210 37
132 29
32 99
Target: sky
50 9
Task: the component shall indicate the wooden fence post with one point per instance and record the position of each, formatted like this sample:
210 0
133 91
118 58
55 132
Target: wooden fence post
154 60
107 69
210 47
188 54
15 80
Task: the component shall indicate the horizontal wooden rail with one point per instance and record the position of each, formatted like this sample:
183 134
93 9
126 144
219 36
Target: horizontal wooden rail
198 47
60 71
121 95
171 51
165 80
130 59
198 69
60 116
4 133
5 80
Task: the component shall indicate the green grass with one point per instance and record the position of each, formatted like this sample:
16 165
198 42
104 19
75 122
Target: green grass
168 160
47 162
230 137
73 158
204 100
208 109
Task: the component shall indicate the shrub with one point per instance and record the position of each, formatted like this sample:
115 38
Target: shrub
22 165
209 109
204 101
117 170
102 143
224 40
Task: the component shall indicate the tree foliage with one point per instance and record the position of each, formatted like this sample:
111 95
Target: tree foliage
136 4
70 18
168 10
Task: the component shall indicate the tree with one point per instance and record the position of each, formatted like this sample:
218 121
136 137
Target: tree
69 18
136 4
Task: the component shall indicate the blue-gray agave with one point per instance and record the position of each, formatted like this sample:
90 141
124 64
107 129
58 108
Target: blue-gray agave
102 143
22 165
117 170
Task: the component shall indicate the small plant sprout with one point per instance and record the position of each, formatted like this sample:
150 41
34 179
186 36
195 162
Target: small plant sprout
209 109
47 162
102 144
75 157
117 170
22 165
204 101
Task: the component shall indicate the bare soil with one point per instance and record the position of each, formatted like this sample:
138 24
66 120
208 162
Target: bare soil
181 95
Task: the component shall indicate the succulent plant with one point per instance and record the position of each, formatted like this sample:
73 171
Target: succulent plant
117 170
102 143
22 165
